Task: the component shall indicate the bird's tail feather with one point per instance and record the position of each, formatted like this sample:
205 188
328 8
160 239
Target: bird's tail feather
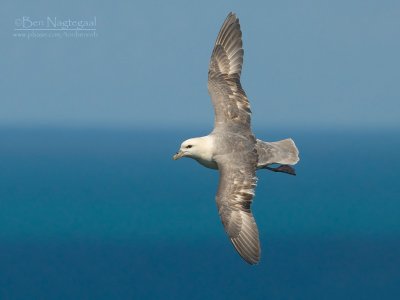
282 152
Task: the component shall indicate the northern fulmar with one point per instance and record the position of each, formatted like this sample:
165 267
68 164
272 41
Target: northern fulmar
232 148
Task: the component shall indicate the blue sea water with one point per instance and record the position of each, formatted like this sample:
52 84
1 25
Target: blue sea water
107 214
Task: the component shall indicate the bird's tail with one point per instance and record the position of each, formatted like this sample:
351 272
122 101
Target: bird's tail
282 152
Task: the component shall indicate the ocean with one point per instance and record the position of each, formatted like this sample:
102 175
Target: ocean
107 214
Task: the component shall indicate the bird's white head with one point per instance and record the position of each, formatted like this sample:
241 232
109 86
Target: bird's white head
197 148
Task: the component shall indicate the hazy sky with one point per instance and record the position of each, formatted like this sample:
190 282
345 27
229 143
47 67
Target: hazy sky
307 63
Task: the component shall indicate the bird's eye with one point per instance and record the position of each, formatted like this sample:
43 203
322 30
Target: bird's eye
189 146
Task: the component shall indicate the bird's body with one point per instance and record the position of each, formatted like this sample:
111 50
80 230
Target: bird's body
281 152
232 148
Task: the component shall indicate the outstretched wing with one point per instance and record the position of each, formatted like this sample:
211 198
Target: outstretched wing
234 197
231 105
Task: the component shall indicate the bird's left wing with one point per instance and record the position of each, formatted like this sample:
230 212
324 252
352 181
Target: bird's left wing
230 102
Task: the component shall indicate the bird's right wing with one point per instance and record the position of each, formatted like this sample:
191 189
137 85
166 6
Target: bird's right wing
234 197
230 102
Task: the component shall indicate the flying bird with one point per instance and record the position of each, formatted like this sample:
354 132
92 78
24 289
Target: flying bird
232 148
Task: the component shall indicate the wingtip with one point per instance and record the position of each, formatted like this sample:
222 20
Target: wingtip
246 253
231 15
254 262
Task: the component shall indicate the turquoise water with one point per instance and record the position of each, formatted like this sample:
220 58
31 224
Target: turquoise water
107 214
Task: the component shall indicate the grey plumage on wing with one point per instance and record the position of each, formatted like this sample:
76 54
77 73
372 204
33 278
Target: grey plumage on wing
232 148
236 156
237 163
239 153
231 106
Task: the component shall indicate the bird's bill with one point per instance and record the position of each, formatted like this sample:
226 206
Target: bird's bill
178 155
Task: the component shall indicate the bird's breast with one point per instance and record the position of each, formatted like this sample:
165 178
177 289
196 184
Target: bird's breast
207 163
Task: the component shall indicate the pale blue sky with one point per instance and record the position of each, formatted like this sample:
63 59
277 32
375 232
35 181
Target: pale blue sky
307 63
